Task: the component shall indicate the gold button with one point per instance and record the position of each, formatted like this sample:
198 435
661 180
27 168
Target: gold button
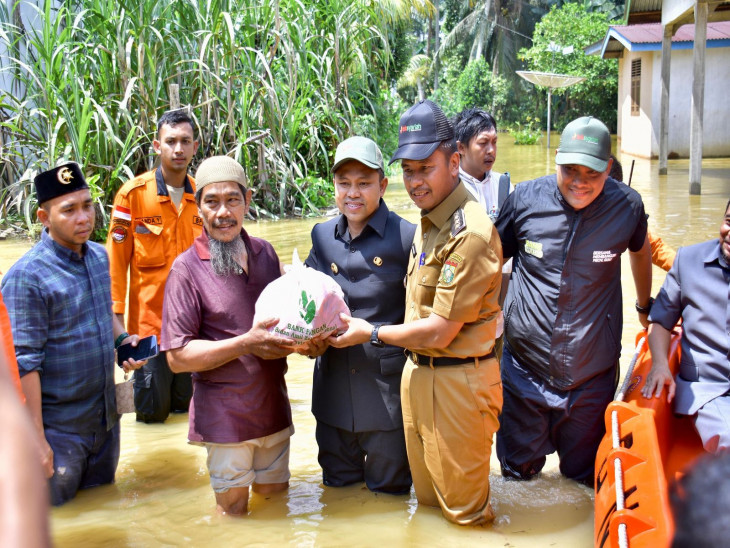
334 268
377 261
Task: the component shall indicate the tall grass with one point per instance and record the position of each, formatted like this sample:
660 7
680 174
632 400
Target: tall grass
274 83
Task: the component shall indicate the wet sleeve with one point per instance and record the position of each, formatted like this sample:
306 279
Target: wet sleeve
120 247
471 269
181 310
506 228
667 307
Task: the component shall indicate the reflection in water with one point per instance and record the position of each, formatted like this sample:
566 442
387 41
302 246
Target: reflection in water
162 495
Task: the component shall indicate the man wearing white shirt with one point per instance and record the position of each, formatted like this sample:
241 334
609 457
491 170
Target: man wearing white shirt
476 139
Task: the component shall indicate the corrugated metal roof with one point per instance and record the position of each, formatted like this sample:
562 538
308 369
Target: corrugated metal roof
652 32
648 37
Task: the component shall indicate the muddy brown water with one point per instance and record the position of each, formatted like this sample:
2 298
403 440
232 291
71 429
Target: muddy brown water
162 496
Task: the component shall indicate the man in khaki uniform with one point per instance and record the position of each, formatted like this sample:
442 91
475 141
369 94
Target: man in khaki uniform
451 391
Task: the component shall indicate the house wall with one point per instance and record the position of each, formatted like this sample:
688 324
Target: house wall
635 132
639 135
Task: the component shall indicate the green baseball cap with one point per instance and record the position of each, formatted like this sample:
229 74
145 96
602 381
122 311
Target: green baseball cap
361 149
586 142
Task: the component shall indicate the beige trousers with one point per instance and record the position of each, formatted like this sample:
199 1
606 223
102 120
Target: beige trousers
450 415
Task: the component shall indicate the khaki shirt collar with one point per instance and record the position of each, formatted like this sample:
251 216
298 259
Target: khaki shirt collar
442 213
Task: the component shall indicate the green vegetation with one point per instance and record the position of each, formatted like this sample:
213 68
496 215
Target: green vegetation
275 84
529 133
573 25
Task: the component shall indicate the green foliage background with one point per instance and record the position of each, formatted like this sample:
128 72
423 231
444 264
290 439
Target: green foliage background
276 84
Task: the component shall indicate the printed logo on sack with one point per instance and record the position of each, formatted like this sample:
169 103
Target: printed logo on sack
307 307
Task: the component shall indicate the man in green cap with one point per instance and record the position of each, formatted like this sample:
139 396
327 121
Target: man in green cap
563 311
356 390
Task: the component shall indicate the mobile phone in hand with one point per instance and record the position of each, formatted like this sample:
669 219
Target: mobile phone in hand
146 348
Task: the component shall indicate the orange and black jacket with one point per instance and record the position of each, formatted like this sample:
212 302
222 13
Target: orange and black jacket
147 232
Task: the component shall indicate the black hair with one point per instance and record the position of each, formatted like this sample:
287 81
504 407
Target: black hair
448 147
471 122
699 501
617 172
173 118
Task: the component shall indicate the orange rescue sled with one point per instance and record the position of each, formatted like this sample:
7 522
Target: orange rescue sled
645 448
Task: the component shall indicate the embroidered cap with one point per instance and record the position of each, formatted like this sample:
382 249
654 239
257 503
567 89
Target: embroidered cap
58 181
422 129
361 149
219 169
586 142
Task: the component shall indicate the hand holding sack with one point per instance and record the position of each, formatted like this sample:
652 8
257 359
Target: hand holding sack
307 302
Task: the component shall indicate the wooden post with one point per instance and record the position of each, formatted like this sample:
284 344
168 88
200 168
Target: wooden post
698 98
174 96
664 109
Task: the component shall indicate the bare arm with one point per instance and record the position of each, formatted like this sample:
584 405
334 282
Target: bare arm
660 375
433 332
641 270
31 384
202 355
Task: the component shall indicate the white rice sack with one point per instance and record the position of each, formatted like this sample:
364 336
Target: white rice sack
307 302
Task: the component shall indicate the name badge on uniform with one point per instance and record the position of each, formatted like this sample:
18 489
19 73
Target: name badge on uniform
422 260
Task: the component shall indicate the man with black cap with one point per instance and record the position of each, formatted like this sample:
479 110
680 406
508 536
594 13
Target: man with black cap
563 311
356 390
59 301
450 392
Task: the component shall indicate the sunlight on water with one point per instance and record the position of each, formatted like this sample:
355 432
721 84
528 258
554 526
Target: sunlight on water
162 496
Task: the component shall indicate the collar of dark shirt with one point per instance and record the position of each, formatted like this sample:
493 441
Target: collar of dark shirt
376 221
203 249
62 251
442 213
715 254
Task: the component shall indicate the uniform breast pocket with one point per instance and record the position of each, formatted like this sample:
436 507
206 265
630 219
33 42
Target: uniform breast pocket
149 249
428 279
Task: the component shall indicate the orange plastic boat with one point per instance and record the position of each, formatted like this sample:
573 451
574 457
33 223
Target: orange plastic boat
646 447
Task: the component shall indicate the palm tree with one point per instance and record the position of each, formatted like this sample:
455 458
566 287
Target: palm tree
416 73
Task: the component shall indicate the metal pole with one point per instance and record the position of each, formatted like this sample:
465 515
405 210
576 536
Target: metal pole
550 95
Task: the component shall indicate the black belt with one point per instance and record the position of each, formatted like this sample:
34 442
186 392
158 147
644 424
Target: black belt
420 359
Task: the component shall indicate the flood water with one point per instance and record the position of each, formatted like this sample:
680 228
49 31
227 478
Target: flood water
162 496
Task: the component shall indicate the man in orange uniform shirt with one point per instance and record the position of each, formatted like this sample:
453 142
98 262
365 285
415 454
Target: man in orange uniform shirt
155 218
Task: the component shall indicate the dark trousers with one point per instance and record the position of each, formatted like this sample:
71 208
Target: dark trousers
158 391
81 461
538 419
377 457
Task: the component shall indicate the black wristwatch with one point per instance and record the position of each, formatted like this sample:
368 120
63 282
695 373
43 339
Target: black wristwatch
644 309
374 340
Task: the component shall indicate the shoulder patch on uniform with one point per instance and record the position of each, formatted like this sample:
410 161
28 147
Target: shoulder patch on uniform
458 222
